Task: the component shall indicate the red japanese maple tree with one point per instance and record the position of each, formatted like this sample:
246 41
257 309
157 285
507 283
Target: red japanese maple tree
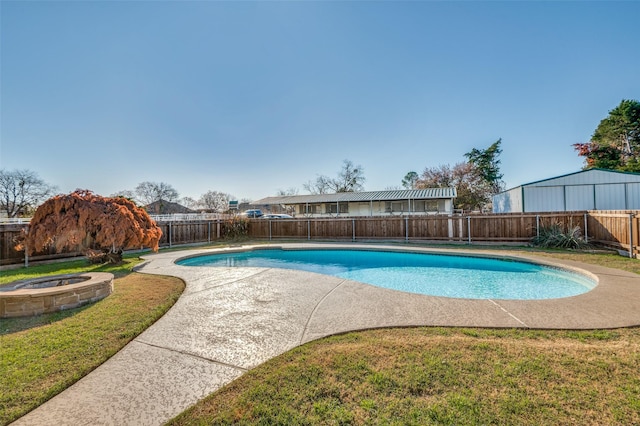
99 226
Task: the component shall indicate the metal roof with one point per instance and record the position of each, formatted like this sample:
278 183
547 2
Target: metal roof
340 197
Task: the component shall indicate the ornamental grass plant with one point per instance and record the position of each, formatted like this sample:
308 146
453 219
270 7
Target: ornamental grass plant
558 236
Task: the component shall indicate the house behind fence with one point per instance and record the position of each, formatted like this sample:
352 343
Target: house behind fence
377 203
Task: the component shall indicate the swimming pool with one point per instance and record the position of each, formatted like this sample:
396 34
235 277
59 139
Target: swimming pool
423 273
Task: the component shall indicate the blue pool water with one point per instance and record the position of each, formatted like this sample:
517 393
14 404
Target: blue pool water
431 274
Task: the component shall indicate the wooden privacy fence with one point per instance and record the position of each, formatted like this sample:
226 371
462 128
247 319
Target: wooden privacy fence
617 229
9 255
188 232
469 229
173 233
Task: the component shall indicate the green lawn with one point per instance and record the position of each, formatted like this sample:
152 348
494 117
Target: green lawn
421 376
41 356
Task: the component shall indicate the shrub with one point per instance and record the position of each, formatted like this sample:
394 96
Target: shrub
557 236
235 228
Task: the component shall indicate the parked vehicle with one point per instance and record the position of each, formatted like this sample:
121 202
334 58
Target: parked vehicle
254 213
277 216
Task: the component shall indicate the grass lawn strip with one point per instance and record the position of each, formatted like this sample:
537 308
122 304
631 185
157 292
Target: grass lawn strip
41 356
424 376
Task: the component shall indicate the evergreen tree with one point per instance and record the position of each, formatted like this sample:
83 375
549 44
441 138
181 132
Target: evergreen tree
615 144
487 165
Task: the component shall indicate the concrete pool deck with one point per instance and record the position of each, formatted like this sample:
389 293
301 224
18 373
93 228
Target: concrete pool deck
230 320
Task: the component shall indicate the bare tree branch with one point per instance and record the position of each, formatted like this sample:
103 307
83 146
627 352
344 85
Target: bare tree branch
22 191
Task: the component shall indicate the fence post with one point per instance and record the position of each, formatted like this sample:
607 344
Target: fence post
631 215
26 257
353 229
218 229
269 229
469 229
586 232
209 232
169 234
309 229
406 228
538 225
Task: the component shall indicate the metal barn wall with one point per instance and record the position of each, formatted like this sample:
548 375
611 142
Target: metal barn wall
508 201
610 197
544 199
618 196
633 196
587 190
579 197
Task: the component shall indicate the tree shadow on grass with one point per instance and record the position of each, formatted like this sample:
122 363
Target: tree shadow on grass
15 325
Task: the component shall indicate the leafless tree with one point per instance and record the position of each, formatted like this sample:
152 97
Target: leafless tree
322 185
150 192
286 192
350 179
190 203
215 201
21 191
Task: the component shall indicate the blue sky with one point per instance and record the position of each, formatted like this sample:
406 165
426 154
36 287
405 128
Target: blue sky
252 97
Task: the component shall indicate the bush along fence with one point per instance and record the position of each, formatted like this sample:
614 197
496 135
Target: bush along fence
615 229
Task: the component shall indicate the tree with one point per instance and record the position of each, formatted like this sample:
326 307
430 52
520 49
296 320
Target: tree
287 192
87 222
150 192
215 201
321 185
615 144
436 177
487 165
125 193
21 191
600 156
473 191
621 128
350 179
190 203
410 180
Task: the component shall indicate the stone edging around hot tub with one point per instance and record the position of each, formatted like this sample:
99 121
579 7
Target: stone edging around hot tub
22 302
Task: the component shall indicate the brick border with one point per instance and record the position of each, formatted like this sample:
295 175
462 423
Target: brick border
36 301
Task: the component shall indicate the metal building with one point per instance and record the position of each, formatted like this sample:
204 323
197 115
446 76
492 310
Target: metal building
593 189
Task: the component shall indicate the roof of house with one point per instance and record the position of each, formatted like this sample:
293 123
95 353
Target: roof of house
166 207
341 197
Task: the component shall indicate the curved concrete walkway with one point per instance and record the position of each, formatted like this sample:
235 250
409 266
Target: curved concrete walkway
229 320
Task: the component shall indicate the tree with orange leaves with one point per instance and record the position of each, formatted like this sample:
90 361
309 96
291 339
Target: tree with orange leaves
101 227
